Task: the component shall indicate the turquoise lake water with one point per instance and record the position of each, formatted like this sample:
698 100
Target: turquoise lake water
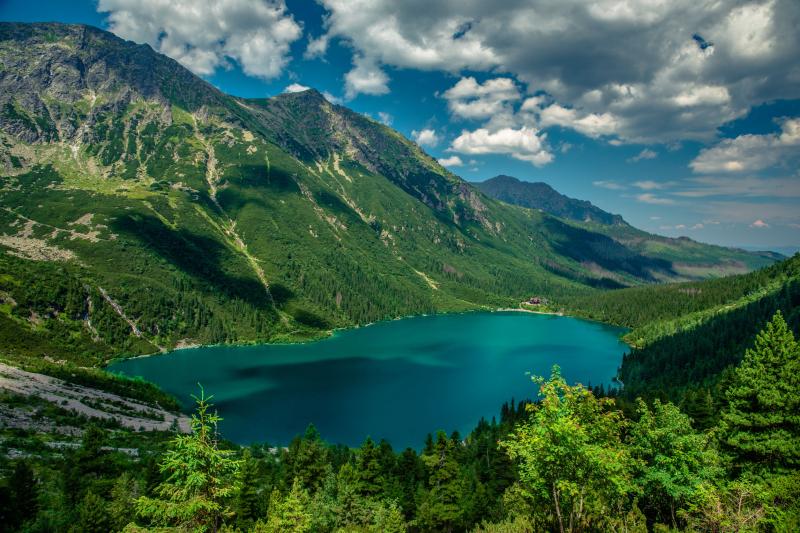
397 380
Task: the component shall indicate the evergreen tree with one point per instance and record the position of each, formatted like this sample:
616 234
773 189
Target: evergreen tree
248 497
289 514
761 422
23 494
307 458
122 507
200 478
368 469
92 515
440 507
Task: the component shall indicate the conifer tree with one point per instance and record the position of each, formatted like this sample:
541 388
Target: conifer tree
368 469
289 514
440 508
761 422
200 478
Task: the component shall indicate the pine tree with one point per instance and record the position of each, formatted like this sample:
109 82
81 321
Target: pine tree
122 507
248 497
761 422
200 478
92 515
23 495
289 514
368 469
441 508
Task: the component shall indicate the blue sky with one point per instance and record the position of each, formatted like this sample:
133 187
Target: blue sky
682 116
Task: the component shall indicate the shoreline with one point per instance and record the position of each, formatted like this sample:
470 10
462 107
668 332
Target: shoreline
327 334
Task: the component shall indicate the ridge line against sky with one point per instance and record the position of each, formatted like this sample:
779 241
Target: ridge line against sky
681 115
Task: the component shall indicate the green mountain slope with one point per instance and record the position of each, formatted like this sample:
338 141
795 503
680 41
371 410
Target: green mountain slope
689 259
143 209
687 336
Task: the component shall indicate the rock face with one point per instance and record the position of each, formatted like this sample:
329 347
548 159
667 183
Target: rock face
220 219
538 195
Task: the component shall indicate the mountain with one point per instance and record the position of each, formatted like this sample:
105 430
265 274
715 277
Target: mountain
690 259
538 195
143 209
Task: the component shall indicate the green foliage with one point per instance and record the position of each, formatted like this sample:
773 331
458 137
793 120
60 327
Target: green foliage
573 467
287 514
761 422
200 478
440 503
675 464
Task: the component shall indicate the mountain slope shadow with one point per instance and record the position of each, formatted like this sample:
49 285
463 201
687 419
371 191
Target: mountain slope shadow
198 256
582 245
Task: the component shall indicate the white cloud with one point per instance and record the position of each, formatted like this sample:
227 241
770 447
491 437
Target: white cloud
472 100
590 124
611 185
650 198
748 153
759 224
316 47
295 88
425 137
626 68
644 154
385 117
525 144
204 35
365 78
452 161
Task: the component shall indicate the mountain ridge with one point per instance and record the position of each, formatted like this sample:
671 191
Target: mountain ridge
161 211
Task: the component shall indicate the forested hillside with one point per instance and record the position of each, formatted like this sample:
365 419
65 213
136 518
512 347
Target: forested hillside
687 337
569 461
157 211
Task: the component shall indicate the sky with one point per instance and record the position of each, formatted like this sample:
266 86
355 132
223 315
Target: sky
683 116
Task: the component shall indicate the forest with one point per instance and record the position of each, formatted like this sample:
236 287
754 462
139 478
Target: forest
569 460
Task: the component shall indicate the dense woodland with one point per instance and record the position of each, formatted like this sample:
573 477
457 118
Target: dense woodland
568 461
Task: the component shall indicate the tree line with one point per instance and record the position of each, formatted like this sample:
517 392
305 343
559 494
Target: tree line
568 461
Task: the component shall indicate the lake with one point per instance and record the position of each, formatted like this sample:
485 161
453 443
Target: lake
397 380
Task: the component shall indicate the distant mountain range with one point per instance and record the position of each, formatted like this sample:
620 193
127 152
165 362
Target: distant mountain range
538 195
141 208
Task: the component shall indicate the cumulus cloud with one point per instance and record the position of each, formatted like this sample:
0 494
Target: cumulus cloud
525 144
204 35
365 78
425 137
644 154
590 124
759 224
748 153
650 185
452 161
295 88
472 100
644 71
